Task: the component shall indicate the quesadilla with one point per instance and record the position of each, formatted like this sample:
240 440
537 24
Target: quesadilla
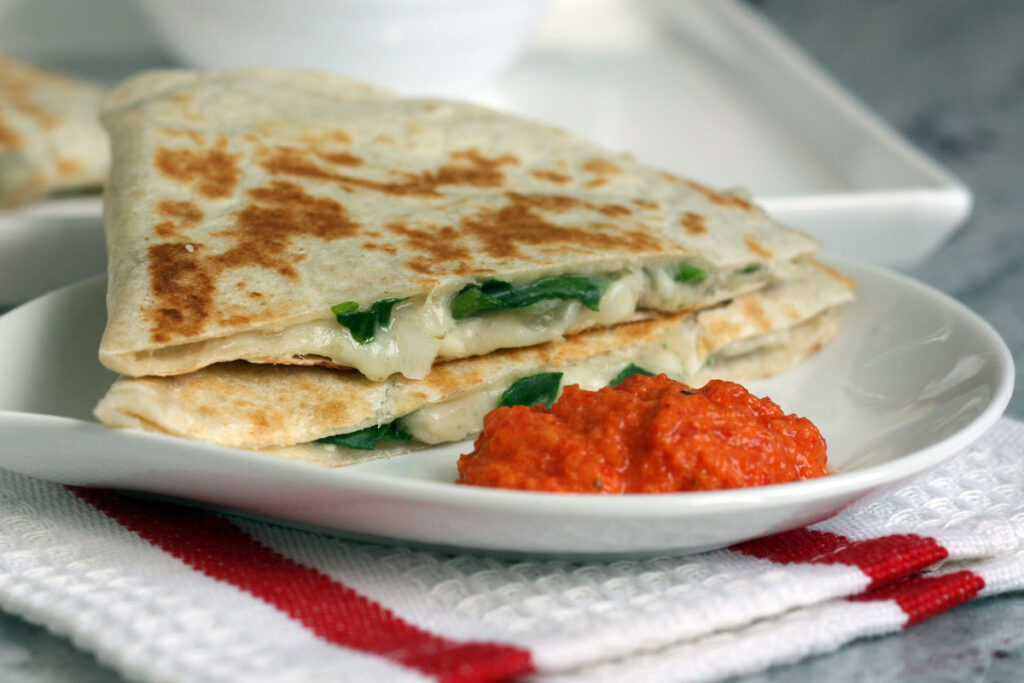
336 414
50 136
288 217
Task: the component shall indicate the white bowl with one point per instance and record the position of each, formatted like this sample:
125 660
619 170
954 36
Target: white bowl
411 46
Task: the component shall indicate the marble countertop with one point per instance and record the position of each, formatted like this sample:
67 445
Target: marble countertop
949 75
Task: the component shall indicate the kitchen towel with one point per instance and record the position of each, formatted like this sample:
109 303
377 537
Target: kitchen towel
162 592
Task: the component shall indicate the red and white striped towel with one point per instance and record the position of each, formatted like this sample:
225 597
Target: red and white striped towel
166 593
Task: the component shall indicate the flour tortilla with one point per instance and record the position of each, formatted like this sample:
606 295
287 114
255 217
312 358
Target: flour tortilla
264 406
243 205
50 136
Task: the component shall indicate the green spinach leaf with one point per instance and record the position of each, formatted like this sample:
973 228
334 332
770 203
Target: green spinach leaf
367 439
498 295
528 391
689 274
628 372
364 325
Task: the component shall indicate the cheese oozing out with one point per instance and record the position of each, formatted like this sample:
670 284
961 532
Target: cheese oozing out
422 331
678 355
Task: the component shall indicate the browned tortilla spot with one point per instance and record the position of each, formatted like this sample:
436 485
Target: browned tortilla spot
184 280
555 203
264 229
166 229
68 167
646 203
720 198
296 162
613 210
502 232
188 212
340 158
559 203
13 84
213 172
465 167
600 167
312 137
757 248
551 176
16 89
237 320
8 137
448 377
752 310
44 117
694 223
716 328
183 289
438 249
386 248
429 266
185 108
183 214
337 135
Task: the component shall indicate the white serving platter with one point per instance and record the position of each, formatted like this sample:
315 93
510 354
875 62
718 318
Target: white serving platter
705 89
713 91
49 244
913 377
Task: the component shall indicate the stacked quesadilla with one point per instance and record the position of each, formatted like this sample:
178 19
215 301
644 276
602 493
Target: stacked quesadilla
50 135
295 257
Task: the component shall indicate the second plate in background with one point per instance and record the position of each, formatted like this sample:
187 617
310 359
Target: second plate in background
705 89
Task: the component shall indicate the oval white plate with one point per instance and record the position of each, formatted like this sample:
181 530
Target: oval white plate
913 377
48 244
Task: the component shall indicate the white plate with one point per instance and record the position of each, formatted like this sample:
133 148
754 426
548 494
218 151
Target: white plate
913 377
706 89
49 244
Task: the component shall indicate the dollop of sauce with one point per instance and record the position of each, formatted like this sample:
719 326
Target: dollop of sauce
646 435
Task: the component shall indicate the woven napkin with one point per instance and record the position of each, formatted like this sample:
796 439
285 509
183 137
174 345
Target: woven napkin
167 593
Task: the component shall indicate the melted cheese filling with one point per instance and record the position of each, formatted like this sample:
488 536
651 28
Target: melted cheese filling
423 331
459 418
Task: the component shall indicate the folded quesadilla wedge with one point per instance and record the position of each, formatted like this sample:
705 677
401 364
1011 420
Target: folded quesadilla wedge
269 407
297 218
50 136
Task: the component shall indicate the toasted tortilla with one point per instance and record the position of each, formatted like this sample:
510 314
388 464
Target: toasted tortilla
265 406
50 136
244 205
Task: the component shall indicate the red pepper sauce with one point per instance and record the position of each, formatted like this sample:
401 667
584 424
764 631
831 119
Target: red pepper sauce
647 435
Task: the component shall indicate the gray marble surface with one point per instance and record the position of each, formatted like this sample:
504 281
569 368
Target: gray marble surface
949 74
